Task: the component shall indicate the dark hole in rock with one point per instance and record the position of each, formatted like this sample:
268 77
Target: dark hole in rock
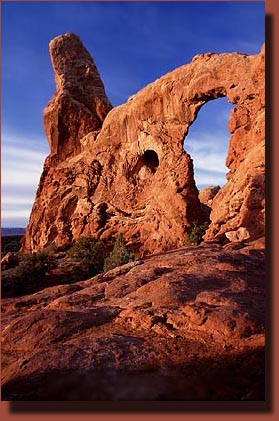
151 160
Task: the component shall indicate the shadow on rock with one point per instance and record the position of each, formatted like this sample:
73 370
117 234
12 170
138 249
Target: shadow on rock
237 377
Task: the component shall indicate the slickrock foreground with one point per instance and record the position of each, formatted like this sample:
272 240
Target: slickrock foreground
184 325
125 170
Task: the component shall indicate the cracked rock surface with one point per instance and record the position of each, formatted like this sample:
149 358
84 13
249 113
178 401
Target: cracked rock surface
183 325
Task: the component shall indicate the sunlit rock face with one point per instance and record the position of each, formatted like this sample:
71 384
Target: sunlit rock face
124 170
80 104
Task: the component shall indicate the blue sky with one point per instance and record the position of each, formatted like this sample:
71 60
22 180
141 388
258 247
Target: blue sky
132 44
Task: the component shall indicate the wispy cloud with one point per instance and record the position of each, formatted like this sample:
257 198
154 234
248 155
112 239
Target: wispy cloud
23 153
23 141
208 142
207 178
15 214
209 155
10 201
22 165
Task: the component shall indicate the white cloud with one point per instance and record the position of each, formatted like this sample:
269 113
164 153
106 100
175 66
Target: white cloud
211 162
22 164
15 214
24 142
203 139
16 218
209 158
21 160
21 176
204 179
8 200
22 153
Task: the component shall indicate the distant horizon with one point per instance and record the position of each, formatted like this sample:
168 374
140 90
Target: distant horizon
7 231
14 227
141 42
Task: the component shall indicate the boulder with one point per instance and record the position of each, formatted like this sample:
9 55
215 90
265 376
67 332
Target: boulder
207 195
241 234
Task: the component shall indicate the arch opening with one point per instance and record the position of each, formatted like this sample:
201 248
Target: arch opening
207 142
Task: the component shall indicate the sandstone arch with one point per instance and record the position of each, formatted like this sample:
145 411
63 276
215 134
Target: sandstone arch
154 213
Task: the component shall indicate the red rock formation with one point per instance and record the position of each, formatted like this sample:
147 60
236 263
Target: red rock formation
132 175
80 104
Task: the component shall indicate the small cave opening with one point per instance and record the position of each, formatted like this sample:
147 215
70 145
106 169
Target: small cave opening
151 160
146 166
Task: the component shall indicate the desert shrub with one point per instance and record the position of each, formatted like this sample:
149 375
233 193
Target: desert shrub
33 266
28 275
11 284
119 255
10 243
196 233
89 253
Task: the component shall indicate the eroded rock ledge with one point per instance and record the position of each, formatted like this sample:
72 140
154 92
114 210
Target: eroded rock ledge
125 170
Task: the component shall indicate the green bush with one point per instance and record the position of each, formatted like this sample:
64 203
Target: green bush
119 255
89 252
196 233
10 243
33 266
28 276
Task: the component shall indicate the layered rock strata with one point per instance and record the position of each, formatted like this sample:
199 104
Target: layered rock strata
125 169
